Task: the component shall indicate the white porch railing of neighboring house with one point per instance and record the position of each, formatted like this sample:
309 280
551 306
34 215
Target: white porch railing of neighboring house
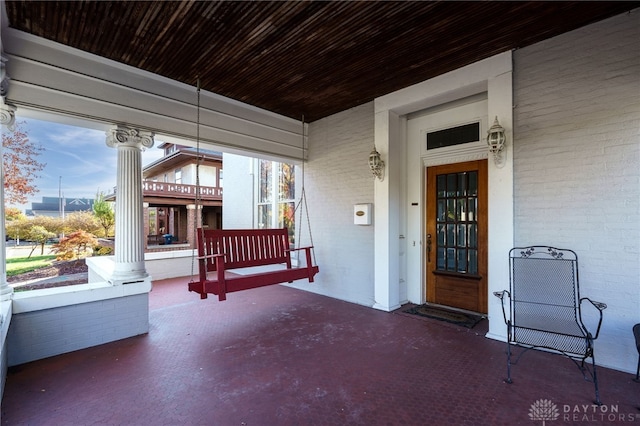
176 190
180 190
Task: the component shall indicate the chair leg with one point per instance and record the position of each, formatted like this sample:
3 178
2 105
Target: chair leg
508 380
595 376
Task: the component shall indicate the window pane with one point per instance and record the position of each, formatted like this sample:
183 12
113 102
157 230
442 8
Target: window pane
264 216
442 211
473 261
442 185
451 210
473 236
286 218
472 210
462 184
473 183
286 180
442 240
264 195
451 259
440 259
462 235
452 185
152 221
462 261
451 232
461 213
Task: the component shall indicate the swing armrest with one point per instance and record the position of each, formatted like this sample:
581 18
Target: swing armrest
210 256
300 248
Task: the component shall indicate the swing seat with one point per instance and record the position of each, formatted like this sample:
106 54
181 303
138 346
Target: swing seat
228 259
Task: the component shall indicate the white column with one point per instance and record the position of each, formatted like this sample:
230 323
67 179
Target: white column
7 120
129 242
387 214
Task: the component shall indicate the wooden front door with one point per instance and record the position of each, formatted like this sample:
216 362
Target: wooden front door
456 240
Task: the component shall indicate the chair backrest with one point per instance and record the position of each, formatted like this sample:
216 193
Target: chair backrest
244 247
636 334
544 289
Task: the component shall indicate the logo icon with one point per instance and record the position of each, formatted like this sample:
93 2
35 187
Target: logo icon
543 409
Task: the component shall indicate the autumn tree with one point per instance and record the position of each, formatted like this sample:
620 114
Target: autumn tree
39 236
22 227
104 213
74 246
13 213
21 165
82 221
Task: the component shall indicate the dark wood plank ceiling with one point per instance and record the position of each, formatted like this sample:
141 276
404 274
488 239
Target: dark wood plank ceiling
311 58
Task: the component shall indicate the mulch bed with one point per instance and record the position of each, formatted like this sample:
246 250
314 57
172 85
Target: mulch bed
58 268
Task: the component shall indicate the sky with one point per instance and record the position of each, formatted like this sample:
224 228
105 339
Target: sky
78 160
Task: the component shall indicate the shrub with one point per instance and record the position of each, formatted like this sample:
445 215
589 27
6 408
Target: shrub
102 251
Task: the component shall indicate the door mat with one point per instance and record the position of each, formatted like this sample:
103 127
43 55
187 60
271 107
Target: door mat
442 314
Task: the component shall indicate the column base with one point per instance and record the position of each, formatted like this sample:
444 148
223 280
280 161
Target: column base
128 277
385 308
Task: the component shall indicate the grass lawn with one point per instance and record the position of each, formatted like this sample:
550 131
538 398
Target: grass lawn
20 265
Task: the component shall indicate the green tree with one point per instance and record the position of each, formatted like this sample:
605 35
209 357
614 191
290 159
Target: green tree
39 236
104 213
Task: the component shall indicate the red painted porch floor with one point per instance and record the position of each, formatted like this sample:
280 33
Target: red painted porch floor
280 356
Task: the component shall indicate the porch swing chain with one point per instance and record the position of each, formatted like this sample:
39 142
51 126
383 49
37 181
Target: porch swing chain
302 204
197 199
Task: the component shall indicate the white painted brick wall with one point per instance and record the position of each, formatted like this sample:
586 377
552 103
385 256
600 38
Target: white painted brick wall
41 334
576 162
337 177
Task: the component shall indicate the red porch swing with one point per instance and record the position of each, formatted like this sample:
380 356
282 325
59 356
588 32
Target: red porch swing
235 259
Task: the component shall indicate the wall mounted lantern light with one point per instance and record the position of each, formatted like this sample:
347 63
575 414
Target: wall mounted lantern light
376 164
496 139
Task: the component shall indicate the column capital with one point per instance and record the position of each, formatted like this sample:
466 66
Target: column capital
7 115
128 136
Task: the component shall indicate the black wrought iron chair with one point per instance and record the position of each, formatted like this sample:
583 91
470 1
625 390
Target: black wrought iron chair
636 334
545 308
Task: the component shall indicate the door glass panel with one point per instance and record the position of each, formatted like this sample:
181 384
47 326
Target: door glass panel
473 261
451 235
462 260
441 185
441 257
451 185
441 236
473 184
456 222
442 211
462 184
462 235
473 236
451 259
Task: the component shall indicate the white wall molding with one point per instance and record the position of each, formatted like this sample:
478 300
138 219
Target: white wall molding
491 76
